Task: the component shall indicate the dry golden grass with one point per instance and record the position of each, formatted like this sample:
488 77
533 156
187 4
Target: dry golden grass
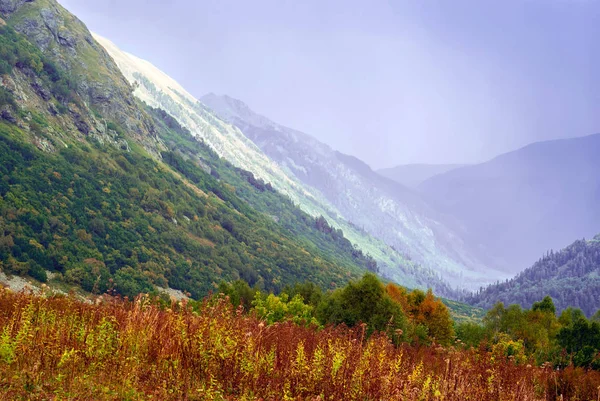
57 348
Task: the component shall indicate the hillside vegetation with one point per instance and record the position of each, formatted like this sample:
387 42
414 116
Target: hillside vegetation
570 276
59 348
90 201
119 216
159 90
381 207
189 155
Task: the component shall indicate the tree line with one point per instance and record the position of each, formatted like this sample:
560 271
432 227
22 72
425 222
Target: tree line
537 335
570 276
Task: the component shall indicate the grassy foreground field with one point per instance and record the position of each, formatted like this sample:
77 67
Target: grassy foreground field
58 348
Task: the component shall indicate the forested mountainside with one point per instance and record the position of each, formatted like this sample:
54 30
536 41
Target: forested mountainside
101 191
412 175
570 276
159 90
383 208
521 204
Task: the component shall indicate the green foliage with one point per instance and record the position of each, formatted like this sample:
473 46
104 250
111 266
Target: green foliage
89 214
131 282
569 276
546 305
37 272
364 301
581 339
116 128
471 334
201 165
311 294
417 317
506 347
6 98
272 308
239 293
568 339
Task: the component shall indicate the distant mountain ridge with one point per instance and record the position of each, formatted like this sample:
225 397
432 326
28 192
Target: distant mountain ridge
523 203
384 208
412 175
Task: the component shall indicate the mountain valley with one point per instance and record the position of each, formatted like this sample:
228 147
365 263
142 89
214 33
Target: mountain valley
159 246
522 204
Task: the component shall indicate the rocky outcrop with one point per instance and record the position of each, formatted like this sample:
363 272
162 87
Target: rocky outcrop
99 82
10 6
41 89
7 114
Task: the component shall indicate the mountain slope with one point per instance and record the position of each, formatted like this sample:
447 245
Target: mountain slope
412 175
88 70
187 155
382 207
160 91
571 277
92 196
523 203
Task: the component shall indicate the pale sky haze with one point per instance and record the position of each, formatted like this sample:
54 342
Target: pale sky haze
391 82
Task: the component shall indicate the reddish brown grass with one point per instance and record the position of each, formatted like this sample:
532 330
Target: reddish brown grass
57 348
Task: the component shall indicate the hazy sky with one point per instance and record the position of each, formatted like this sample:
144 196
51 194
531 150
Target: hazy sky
391 82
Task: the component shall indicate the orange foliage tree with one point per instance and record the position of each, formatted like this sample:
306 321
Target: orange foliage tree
426 310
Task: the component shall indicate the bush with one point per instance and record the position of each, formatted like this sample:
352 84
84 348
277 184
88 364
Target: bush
6 98
471 334
37 272
130 282
364 301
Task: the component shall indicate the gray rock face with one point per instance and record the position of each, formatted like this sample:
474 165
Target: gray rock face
10 6
9 84
67 41
52 109
81 124
40 89
36 32
7 114
43 144
50 19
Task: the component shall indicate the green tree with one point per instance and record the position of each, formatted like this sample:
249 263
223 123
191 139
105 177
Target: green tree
470 334
131 282
274 308
239 293
581 339
545 305
364 301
